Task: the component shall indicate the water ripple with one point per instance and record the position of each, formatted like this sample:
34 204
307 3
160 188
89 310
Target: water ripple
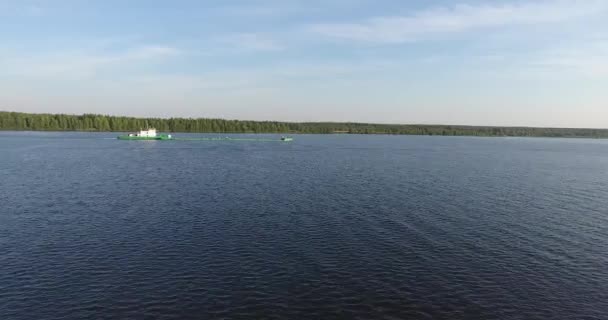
329 227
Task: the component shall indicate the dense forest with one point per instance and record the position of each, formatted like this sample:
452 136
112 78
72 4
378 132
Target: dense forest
93 122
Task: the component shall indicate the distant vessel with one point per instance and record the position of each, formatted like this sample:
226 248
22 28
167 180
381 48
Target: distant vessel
149 134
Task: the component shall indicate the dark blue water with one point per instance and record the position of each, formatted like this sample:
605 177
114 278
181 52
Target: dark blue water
326 227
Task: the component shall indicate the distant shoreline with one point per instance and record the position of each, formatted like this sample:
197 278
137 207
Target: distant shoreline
18 121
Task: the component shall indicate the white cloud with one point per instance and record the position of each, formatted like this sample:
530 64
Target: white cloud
460 18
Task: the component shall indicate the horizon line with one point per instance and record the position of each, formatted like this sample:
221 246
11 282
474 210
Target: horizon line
304 122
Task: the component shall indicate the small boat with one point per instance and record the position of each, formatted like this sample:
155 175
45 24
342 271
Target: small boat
286 139
149 134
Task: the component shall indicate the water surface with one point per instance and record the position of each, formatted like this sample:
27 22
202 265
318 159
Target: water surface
325 227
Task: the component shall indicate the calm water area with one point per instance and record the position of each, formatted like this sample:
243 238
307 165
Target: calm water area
324 227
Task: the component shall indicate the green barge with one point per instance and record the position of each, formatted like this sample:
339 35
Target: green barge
151 134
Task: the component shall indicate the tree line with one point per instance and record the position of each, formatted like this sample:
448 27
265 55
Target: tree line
95 122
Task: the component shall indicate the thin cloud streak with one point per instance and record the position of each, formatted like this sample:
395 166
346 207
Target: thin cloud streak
247 78
19 10
80 64
590 60
249 42
34 11
459 18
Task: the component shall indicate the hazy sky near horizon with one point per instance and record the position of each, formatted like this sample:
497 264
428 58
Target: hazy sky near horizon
502 62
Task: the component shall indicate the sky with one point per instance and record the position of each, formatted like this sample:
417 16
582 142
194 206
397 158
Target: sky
469 62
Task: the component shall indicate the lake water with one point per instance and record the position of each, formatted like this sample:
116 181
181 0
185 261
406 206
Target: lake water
325 227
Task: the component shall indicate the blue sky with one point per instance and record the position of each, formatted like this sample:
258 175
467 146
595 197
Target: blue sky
533 63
